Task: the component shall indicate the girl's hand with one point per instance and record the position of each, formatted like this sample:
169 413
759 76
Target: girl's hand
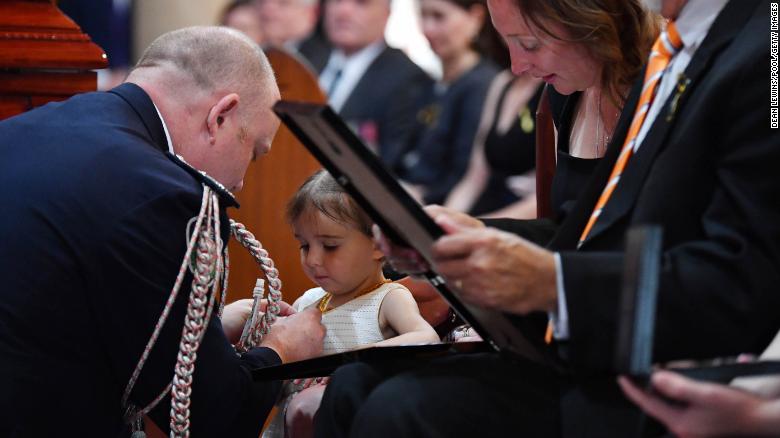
236 313
311 381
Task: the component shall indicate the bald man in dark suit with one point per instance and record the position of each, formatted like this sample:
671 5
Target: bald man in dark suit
97 200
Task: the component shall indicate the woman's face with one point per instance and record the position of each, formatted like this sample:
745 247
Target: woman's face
449 28
567 66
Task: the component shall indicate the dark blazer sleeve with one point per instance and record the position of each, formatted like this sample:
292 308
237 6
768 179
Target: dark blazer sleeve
720 283
133 275
316 50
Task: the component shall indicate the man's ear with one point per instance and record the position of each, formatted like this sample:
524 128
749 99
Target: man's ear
222 112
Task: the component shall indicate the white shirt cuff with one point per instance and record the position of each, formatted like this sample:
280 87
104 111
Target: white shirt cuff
560 319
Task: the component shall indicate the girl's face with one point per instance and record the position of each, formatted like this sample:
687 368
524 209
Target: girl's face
338 258
567 66
450 28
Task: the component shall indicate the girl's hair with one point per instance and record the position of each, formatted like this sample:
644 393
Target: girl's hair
323 193
618 33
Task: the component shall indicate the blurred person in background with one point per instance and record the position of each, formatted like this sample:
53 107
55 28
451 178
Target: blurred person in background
437 153
242 16
375 88
292 24
500 179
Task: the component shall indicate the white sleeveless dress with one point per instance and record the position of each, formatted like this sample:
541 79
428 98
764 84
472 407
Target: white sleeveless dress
351 325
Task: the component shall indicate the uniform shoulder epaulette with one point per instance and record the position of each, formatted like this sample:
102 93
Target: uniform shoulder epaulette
223 193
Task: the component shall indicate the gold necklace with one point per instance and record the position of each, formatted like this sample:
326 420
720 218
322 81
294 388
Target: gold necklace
322 304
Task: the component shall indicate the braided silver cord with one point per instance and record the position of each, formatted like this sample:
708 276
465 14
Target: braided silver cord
226 271
206 278
132 413
210 269
255 315
258 324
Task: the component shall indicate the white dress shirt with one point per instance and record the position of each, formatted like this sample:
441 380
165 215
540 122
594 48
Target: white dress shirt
693 24
348 70
165 128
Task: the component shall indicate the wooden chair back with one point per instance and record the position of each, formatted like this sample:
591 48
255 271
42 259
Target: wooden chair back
545 157
268 185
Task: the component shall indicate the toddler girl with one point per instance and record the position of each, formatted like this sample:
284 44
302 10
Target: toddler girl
359 306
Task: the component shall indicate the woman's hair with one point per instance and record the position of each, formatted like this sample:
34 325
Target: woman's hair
488 42
323 193
618 33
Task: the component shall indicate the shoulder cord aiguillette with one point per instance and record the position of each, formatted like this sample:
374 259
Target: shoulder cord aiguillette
207 259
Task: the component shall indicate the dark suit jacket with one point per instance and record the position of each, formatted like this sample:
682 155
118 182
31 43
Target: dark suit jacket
316 50
706 172
93 236
384 103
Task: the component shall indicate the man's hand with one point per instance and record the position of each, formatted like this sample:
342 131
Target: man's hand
297 337
437 212
236 313
494 269
234 317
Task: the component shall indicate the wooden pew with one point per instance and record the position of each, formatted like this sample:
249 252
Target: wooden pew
44 56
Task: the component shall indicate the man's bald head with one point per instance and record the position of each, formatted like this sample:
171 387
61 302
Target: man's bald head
214 88
211 58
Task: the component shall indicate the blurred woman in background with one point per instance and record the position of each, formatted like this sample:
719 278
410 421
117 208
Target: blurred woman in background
500 180
436 157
